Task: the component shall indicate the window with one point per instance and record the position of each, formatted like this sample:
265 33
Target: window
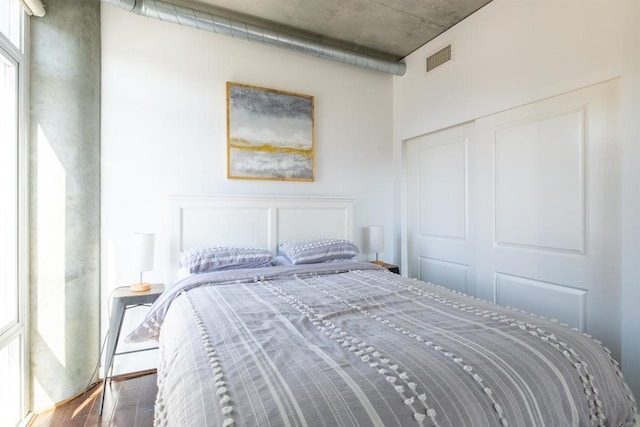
8 193
12 216
11 22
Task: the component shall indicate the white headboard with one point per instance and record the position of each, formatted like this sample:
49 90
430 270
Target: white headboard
256 221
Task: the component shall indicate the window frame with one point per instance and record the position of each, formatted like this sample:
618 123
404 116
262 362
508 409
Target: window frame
20 330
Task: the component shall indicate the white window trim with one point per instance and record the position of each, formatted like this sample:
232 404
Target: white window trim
22 327
23 210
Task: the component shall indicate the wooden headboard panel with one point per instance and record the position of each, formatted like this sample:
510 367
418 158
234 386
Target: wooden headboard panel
256 221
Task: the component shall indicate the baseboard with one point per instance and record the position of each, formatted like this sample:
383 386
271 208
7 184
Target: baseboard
95 385
27 421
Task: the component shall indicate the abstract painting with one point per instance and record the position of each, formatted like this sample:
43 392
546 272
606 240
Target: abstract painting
270 134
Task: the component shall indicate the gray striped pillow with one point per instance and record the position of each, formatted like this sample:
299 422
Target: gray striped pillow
317 250
201 260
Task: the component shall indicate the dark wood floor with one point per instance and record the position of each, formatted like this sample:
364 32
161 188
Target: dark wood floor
128 402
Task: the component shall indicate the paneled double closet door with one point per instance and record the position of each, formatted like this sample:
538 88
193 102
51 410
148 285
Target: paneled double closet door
522 208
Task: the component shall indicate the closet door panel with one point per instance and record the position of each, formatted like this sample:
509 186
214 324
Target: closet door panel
523 208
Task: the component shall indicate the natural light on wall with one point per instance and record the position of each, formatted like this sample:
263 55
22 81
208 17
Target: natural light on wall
51 196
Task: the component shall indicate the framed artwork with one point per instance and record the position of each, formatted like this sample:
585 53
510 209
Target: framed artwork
270 134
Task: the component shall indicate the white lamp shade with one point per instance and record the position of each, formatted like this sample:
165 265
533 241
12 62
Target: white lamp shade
142 251
376 238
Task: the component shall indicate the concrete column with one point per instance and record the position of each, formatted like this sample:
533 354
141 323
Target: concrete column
64 200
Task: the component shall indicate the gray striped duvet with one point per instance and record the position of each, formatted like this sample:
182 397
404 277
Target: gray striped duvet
319 346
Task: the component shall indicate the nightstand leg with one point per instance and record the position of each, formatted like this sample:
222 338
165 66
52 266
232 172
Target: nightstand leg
115 323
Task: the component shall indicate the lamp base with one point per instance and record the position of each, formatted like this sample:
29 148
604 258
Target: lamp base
378 262
140 287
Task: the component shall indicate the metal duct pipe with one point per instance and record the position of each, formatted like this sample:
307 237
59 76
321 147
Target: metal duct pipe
189 17
33 7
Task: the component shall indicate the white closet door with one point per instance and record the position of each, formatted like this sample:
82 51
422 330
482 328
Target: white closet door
525 210
438 208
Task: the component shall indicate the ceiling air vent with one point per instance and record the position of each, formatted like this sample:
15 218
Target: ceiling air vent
438 58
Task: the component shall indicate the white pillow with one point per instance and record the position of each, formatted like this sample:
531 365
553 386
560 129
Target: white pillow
212 258
317 250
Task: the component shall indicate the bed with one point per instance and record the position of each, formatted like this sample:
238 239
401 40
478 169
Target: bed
288 331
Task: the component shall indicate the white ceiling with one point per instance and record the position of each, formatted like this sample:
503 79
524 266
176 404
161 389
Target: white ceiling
390 29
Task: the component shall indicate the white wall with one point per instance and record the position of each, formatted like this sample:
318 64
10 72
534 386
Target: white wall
511 53
164 130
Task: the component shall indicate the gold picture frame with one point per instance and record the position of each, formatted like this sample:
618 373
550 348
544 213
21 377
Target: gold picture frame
270 134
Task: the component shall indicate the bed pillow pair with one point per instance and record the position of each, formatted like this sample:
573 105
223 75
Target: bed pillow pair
317 250
213 258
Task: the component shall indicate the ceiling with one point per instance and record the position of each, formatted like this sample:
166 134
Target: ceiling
389 29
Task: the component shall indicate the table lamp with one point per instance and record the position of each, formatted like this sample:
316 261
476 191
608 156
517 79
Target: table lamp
142 257
375 241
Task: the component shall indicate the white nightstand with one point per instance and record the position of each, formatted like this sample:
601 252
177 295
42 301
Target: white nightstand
122 299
